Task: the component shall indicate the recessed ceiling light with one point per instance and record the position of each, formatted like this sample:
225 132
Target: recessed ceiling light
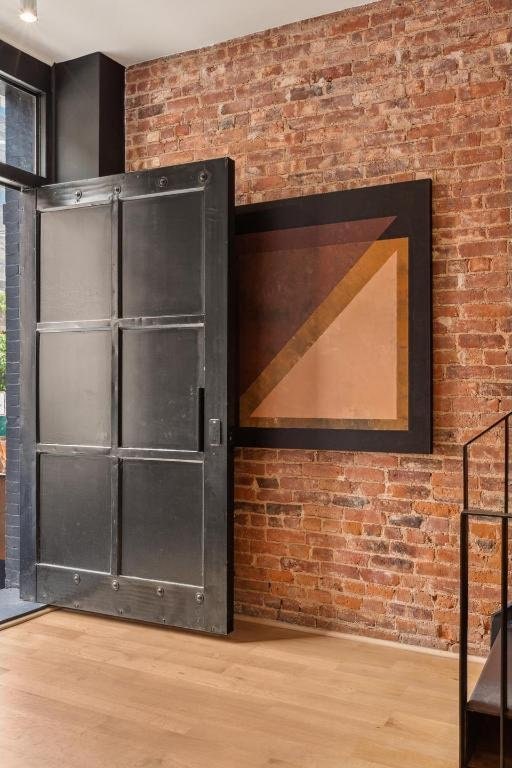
28 11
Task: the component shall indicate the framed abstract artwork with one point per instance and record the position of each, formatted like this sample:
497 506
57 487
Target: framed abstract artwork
335 320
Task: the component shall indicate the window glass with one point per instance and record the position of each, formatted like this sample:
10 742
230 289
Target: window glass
18 127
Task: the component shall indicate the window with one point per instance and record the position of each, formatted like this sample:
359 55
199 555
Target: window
25 135
25 161
18 127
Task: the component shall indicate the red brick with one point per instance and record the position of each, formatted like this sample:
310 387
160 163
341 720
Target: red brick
479 90
363 97
435 98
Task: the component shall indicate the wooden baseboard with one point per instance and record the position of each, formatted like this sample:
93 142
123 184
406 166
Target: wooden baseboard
358 638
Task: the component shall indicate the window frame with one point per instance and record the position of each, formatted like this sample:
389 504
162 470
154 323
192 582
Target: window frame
34 77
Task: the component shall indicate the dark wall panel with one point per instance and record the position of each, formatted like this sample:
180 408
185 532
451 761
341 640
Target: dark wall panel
76 99
89 117
111 127
20 66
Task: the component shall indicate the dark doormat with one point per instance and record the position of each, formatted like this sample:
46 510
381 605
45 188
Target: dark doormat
11 607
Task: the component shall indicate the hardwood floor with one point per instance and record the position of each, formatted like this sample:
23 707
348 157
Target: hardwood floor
79 691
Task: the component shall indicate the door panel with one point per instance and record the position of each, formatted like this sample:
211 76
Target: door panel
75 534
166 542
74 387
75 264
161 388
163 256
127 360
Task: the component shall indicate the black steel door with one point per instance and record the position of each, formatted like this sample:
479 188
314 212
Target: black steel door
128 397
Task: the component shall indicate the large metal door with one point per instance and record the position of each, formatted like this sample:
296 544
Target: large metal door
127 408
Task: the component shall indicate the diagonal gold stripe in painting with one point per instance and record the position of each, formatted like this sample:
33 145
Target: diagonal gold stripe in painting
402 325
285 422
341 295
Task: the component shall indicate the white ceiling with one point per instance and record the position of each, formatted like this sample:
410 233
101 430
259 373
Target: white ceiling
137 30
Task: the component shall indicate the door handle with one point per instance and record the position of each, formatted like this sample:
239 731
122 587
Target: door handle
215 432
200 418
214 425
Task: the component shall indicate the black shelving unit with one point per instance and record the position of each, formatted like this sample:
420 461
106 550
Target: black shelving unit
484 718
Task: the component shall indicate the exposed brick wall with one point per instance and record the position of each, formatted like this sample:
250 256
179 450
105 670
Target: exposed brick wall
393 91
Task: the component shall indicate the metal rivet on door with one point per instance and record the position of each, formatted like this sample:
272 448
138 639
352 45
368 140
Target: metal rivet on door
163 181
160 591
76 578
199 597
203 177
115 585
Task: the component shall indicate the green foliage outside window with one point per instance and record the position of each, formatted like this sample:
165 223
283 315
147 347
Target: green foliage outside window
2 360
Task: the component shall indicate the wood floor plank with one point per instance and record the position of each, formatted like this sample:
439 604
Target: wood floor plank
91 692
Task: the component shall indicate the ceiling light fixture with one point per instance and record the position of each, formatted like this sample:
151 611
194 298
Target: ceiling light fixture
28 11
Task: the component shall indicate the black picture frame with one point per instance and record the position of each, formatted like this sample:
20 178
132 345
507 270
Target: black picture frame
410 203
